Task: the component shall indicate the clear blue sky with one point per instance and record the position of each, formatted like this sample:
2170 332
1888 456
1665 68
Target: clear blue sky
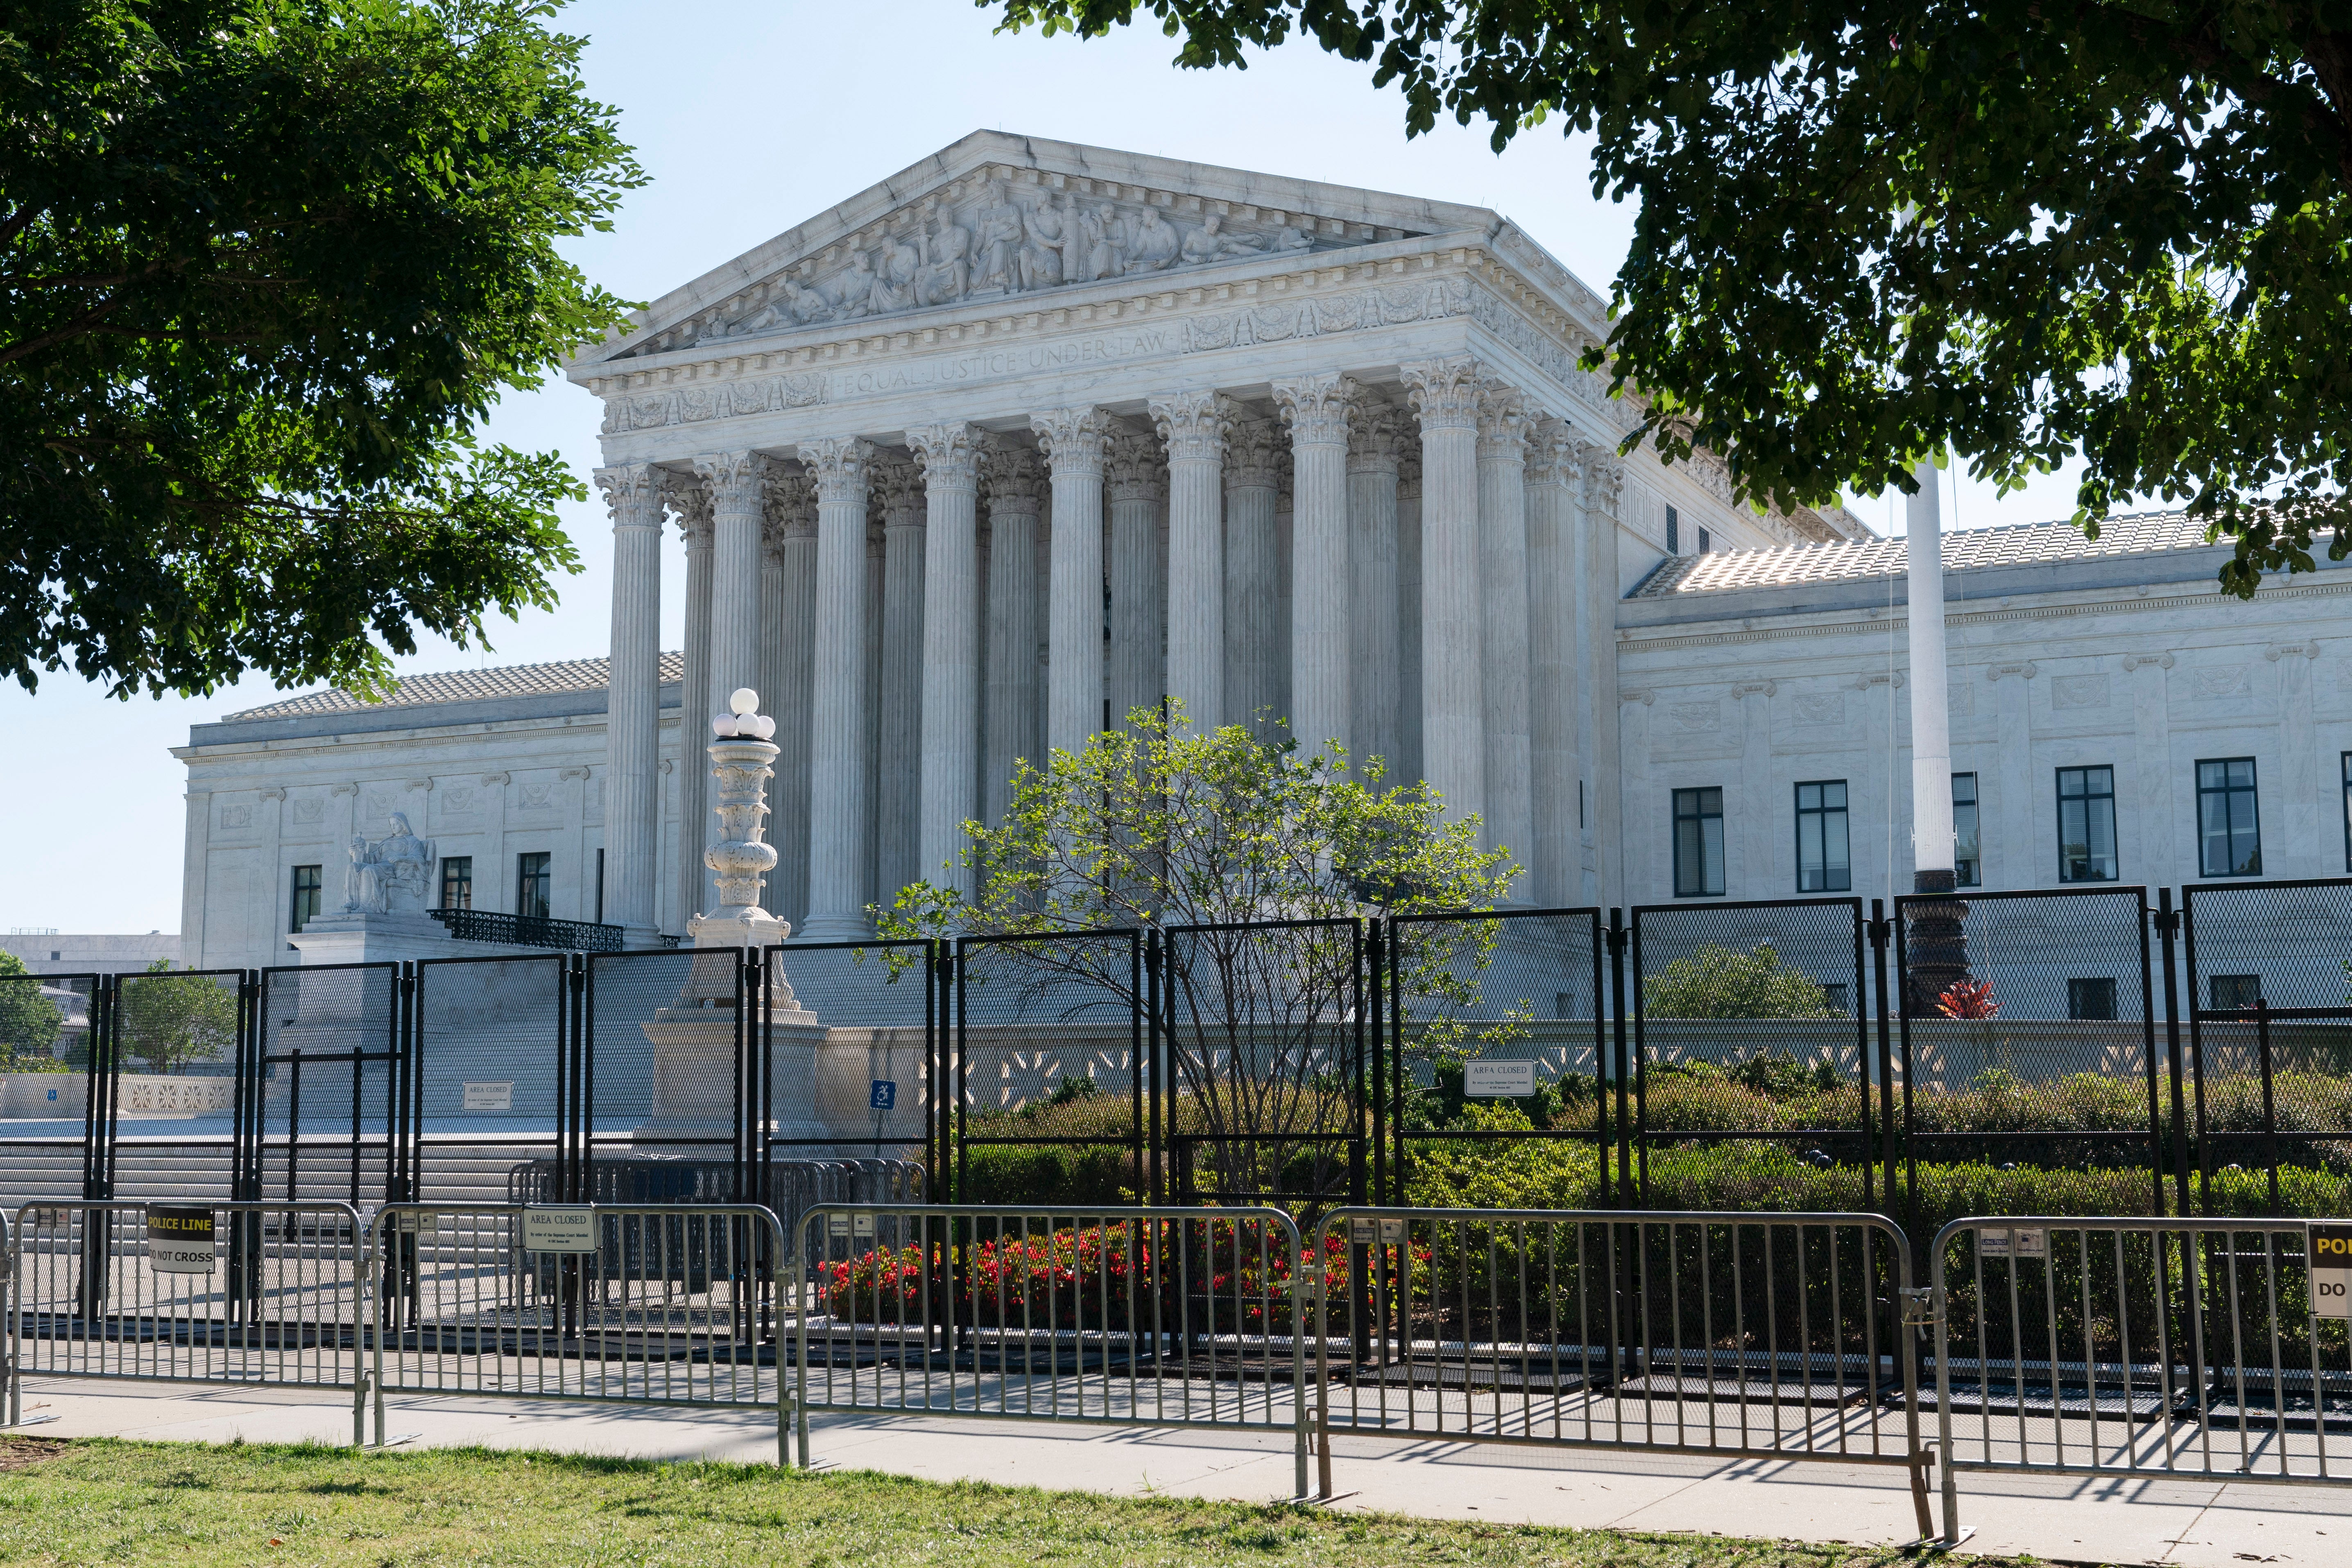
751 117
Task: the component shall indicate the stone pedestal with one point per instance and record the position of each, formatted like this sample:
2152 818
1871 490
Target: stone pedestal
371 938
694 1070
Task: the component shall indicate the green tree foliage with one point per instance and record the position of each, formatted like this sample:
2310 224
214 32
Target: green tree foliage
265 265
171 1019
1715 981
29 1022
1872 231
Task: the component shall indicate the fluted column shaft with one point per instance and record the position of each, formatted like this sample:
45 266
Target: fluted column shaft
1074 442
1552 619
1136 488
795 501
1317 409
1410 746
1253 575
691 502
951 675
870 859
632 703
1502 626
838 798
898 852
1194 425
734 479
1012 702
1597 578
1453 740
1375 726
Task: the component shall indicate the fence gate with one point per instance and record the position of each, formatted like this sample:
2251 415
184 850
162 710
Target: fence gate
166 1068
1510 1006
1266 1063
489 1096
318 1092
2269 1034
1751 1031
1053 1068
2029 1020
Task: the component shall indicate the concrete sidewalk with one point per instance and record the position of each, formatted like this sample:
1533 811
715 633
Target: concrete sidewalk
2206 1524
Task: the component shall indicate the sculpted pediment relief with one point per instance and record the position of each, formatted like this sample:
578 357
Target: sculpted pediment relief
1003 234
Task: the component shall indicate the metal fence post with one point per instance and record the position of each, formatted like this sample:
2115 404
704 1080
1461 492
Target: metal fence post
1881 933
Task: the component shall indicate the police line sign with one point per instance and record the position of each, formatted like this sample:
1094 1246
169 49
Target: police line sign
2331 1270
180 1240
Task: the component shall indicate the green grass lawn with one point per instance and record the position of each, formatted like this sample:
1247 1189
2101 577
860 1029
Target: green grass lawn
100 1501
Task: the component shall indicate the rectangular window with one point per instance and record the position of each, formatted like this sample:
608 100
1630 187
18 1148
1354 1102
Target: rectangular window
1825 857
2093 999
2228 830
1833 995
1968 864
307 881
457 881
533 884
1699 842
1674 532
2229 992
1705 543
600 872
2086 825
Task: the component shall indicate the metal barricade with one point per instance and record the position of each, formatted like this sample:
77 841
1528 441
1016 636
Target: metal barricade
647 1304
1146 1317
2144 1347
1717 1332
207 1291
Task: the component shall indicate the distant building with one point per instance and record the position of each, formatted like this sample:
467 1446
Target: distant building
53 952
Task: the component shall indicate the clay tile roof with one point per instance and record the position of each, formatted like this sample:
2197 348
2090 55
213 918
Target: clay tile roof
458 685
2016 544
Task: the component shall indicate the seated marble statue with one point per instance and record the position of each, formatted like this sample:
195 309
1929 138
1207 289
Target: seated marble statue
390 876
1154 245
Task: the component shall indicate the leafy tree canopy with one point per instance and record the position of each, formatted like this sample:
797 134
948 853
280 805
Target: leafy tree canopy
1718 982
265 265
29 1022
172 1019
1871 232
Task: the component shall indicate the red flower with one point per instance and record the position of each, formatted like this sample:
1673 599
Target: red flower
1968 999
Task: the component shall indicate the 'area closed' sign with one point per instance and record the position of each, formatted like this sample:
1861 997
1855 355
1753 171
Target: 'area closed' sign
1498 1080
559 1228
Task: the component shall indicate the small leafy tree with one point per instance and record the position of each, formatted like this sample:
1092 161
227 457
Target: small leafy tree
1715 981
173 1020
1191 834
29 1022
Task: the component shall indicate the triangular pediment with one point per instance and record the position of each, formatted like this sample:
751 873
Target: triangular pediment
1000 219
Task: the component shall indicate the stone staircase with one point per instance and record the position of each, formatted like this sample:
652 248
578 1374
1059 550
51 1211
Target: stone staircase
455 1176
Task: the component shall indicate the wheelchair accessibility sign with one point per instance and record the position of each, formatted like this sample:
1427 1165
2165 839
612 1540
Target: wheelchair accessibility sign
884 1095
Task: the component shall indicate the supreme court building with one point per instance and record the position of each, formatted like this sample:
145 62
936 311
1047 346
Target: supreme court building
1031 434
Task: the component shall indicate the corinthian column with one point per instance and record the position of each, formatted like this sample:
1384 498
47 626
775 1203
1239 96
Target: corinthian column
838 800
1136 484
1318 409
792 501
632 702
735 482
1014 498
691 503
1503 629
1453 716
1556 859
1408 685
1374 726
1194 425
1073 441
950 703
897 857
1252 569
1610 876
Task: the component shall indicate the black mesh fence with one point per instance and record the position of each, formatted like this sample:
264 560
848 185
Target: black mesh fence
2268 982
491 1078
2032 1069
1493 1037
320 1111
1755 1073
849 1047
662 1079
1268 1066
46 1027
1054 1102
168 1087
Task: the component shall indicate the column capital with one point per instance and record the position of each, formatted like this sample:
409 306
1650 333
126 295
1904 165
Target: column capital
1253 456
1193 425
1134 469
1502 424
1073 439
839 465
1316 408
1375 436
950 453
1444 392
792 502
1553 452
899 482
1015 479
633 494
1604 477
690 503
733 478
